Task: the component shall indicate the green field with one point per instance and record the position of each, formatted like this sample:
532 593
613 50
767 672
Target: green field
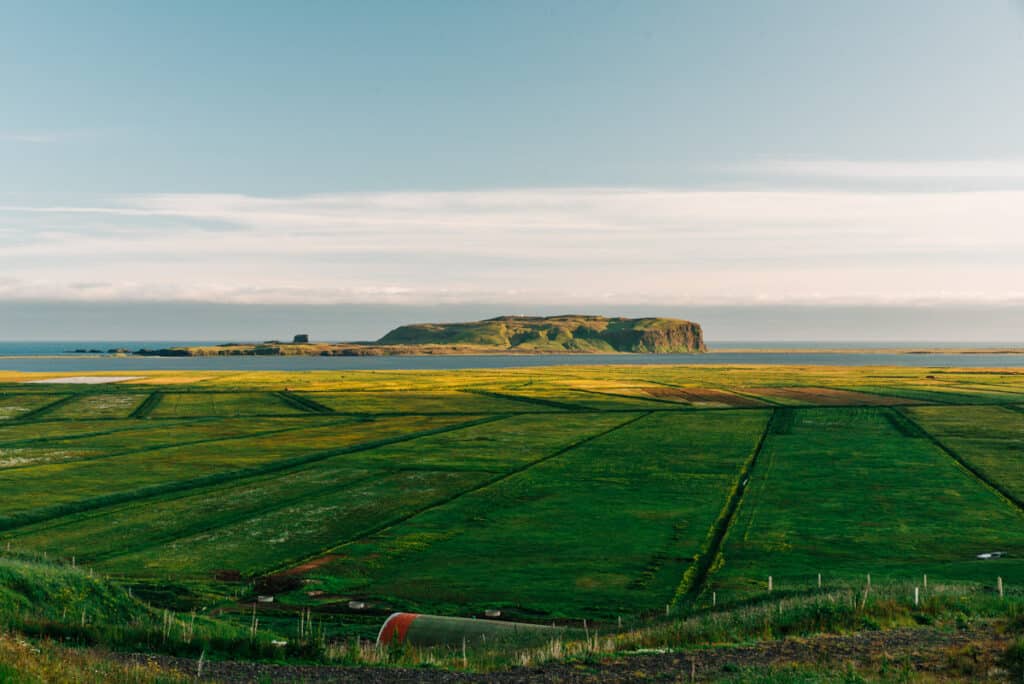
846 493
548 493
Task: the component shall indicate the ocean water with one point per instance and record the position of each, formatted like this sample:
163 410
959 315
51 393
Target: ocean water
50 347
49 356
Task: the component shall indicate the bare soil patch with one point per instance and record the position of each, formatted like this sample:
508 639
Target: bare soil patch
309 566
700 395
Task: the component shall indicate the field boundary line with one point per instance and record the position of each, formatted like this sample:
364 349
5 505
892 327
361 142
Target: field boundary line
303 403
764 404
30 416
148 404
159 447
998 489
894 399
679 405
233 519
944 401
92 514
550 403
36 515
99 433
406 414
756 397
211 416
986 388
696 576
394 522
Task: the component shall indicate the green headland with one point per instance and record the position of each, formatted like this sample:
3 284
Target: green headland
501 335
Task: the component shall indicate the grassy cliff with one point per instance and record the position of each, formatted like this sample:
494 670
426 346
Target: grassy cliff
558 333
505 334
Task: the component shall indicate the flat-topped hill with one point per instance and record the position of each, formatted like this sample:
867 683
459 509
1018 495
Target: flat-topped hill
502 335
558 333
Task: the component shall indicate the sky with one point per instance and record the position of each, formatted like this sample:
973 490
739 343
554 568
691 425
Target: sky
775 170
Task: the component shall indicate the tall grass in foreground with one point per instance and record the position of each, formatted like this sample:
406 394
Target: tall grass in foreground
45 600
47 606
835 611
28 662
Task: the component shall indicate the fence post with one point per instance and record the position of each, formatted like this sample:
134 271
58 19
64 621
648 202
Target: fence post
999 584
917 595
769 582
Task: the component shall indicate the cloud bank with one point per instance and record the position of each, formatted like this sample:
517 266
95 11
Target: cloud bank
563 245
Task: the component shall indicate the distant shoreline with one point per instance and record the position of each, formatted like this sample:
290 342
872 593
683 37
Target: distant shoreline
869 350
378 351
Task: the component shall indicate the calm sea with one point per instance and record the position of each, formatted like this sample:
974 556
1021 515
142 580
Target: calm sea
58 357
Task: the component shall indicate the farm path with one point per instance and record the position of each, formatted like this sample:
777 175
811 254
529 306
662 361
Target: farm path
721 527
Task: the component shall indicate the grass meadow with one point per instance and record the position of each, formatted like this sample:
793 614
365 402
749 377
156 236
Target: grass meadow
551 494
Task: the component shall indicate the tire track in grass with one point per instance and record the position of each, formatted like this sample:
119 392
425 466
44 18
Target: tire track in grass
303 403
146 407
996 488
37 515
394 522
30 416
695 578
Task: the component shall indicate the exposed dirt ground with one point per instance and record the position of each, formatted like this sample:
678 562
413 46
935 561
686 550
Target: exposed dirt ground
954 656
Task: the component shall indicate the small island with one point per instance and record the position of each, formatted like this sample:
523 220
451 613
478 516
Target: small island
568 334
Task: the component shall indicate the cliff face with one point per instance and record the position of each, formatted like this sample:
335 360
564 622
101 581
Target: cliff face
506 334
559 333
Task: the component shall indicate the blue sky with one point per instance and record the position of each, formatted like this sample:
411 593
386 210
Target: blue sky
576 155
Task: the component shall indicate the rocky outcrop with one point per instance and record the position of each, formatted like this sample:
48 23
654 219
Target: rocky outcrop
502 335
570 333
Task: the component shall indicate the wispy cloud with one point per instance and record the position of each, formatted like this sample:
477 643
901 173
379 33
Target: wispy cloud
560 245
984 169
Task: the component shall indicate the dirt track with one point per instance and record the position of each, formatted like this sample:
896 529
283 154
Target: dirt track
927 650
